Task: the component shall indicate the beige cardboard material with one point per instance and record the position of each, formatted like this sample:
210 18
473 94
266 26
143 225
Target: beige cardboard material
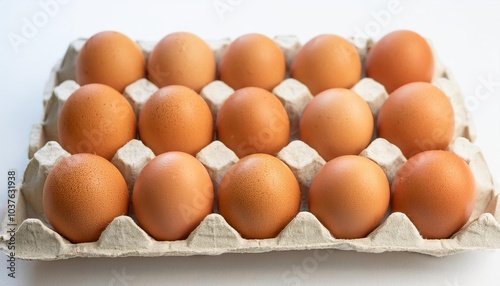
36 240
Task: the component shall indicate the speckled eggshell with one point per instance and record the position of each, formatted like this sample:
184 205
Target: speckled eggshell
350 196
327 61
176 118
182 59
253 120
417 117
110 58
82 194
399 58
252 60
336 122
259 196
436 190
96 119
172 195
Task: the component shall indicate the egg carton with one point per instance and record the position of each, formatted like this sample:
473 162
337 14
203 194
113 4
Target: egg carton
36 239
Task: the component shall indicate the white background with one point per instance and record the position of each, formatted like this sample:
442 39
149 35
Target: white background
465 34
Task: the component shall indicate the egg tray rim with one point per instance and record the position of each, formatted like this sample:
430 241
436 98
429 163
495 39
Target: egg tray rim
67 250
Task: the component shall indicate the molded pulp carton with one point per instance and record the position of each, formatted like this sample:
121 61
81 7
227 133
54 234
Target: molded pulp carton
36 240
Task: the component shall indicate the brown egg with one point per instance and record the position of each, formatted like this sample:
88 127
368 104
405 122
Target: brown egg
176 118
82 195
252 60
110 58
436 190
417 117
336 122
327 61
253 120
350 196
182 59
259 196
96 119
172 195
399 58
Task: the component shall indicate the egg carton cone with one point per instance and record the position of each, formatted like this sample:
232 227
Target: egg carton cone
35 238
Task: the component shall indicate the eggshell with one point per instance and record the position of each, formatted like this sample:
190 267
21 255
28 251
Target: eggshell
350 196
336 122
172 195
436 190
182 59
176 118
96 119
399 58
110 58
327 61
252 60
253 120
83 193
259 196
417 117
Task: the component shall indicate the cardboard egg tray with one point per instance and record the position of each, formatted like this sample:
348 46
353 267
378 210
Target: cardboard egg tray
36 240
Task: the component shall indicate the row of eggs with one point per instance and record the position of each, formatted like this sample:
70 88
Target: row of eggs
326 61
98 119
260 196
